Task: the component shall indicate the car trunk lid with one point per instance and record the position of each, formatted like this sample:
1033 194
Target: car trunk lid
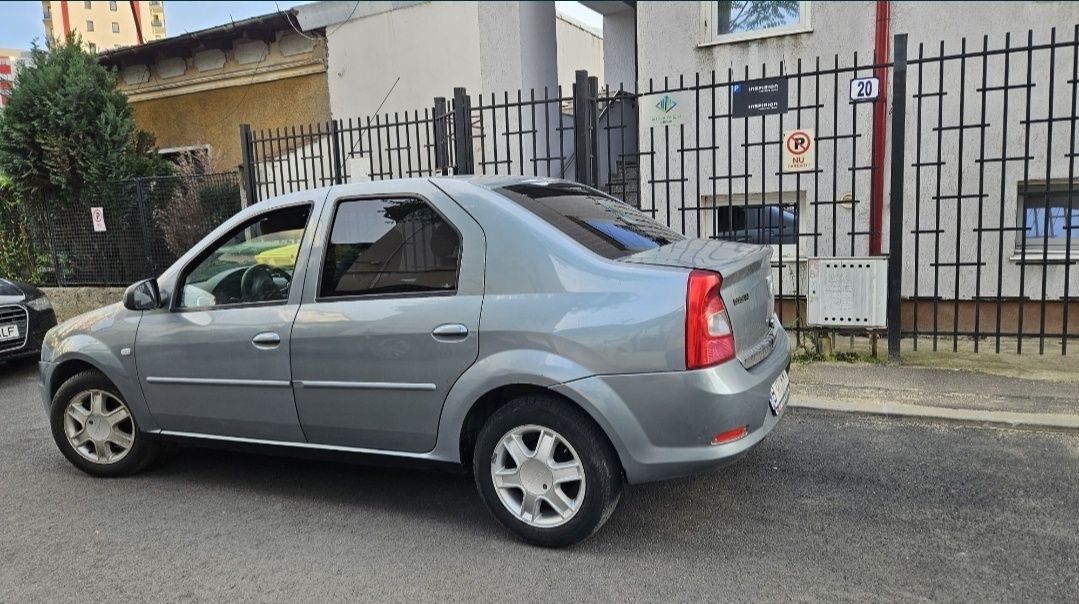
746 289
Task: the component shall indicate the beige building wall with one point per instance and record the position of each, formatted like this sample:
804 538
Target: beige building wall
105 24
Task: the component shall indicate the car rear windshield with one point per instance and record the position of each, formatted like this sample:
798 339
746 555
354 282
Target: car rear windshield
606 226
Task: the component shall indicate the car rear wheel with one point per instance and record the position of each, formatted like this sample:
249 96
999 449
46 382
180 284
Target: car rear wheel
94 428
546 471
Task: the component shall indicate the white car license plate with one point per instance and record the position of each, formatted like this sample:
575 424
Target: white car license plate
9 332
777 398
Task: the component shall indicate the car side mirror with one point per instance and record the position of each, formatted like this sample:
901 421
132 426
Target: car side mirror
143 295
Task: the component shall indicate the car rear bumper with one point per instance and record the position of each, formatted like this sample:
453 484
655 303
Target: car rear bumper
662 424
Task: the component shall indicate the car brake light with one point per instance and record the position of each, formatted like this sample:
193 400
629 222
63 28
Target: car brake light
709 337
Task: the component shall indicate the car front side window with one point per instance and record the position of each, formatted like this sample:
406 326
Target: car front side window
255 263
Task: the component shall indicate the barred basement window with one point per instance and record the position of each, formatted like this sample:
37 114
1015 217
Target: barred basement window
1047 213
724 22
771 219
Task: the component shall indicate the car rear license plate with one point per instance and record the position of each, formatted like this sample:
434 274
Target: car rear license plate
9 332
777 398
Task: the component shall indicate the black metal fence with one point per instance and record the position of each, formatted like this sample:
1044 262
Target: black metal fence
981 170
990 208
120 232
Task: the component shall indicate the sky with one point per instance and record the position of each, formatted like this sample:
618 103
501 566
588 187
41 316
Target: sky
21 24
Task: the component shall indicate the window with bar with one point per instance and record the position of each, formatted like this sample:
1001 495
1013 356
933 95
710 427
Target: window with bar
766 219
1047 213
723 22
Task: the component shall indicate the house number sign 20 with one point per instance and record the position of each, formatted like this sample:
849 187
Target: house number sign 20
864 89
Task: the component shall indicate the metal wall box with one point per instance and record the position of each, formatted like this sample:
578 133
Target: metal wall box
848 292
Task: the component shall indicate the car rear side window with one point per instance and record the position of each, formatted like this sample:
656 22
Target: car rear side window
606 226
386 246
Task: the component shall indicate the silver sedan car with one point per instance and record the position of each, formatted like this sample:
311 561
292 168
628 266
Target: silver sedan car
553 341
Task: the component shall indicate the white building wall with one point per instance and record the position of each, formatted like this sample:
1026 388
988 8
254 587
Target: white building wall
432 47
620 50
668 35
579 47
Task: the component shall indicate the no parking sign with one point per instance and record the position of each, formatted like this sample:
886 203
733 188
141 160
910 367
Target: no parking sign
97 215
799 151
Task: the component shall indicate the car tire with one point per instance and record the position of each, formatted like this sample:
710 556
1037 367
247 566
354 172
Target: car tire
95 430
541 502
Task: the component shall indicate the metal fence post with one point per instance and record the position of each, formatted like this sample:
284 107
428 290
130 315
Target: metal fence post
140 207
335 147
895 214
248 164
57 269
441 134
582 133
462 132
593 131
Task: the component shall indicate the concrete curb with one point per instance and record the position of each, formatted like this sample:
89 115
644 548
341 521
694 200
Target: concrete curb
1010 419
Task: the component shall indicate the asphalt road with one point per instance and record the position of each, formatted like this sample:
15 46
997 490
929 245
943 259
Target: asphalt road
830 507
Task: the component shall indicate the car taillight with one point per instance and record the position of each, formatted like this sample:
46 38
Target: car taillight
709 337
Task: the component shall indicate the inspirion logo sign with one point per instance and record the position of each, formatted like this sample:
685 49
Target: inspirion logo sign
670 109
666 104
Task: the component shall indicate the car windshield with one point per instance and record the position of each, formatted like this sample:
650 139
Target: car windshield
602 224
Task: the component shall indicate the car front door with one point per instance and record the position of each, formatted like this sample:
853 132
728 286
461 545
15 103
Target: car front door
389 319
215 361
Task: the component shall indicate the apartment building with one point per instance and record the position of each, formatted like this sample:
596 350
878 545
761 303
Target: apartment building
105 24
9 61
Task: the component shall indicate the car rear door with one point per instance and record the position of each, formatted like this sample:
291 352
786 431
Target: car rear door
390 317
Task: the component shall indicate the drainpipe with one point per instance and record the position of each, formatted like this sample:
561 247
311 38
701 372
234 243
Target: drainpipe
882 35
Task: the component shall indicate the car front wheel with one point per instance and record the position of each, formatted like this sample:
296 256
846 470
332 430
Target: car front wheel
95 429
546 471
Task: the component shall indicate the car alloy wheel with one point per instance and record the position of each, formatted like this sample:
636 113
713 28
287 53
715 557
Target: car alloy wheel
538 476
99 427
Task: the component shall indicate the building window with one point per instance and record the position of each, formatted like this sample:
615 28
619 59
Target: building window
89 26
48 13
112 6
725 22
1047 213
768 219
115 27
155 3
88 5
156 21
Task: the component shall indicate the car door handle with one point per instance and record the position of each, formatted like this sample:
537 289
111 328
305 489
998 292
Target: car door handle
266 340
450 331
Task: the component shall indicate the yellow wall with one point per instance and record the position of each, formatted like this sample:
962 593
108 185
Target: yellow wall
213 117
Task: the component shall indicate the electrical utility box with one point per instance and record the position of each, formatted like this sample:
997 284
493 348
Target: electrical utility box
848 292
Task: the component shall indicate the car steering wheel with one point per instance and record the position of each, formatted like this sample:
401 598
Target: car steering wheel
257 283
